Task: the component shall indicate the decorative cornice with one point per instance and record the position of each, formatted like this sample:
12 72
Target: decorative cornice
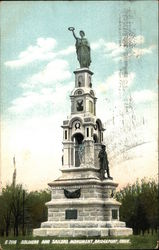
88 202
85 70
87 181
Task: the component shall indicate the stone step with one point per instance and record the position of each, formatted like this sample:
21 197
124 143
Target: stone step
82 232
83 224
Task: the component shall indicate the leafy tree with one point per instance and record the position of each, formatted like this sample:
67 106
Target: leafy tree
17 203
139 205
5 209
149 199
11 208
20 210
36 207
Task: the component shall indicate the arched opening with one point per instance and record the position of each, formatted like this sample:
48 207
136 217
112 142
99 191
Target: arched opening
95 138
73 120
99 124
78 138
99 128
78 148
91 108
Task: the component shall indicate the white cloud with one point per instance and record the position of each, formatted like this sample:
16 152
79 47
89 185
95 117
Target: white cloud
114 82
29 100
44 50
127 49
41 100
67 51
54 72
40 52
131 41
144 95
98 44
138 52
110 48
113 49
139 39
36 90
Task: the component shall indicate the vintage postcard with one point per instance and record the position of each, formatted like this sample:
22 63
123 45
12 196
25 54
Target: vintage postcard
79 100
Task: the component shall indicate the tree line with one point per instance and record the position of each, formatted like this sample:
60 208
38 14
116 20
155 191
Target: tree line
21 211
140 206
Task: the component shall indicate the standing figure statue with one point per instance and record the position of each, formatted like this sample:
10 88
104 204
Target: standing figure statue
81 152
104 163
82 49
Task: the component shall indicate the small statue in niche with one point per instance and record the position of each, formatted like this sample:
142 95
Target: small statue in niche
79 84
80 81
104 163
77 125
79 105
62 158
81 152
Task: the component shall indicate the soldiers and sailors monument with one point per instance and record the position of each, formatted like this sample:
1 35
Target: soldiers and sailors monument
82 202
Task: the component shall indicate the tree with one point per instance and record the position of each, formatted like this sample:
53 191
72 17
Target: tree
5 209
17 206
36 207
139 207
149 199
11 208
20 210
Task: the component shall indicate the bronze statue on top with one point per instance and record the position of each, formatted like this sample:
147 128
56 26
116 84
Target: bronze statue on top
82 49
104 163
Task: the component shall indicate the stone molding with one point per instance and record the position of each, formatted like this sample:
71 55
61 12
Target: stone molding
83 70
108 182
81 202
78 169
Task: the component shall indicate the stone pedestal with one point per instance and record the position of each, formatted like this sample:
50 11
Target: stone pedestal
92 212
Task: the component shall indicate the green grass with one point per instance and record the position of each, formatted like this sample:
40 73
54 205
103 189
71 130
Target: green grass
137 242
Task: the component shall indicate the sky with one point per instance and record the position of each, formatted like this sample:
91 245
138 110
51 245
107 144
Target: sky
37 62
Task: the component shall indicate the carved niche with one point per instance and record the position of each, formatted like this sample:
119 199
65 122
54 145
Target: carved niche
80 81
79 105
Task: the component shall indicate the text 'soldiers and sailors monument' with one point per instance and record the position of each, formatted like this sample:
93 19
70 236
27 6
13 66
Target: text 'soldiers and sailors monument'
82 202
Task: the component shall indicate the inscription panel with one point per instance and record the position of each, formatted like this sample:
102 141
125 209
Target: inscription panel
71 214
114 214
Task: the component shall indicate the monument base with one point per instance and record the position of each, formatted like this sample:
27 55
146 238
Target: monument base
82 232
83 208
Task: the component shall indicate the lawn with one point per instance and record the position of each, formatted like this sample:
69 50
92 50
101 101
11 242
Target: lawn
147 241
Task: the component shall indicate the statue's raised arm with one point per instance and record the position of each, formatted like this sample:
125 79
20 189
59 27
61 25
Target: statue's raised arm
72 29
82 49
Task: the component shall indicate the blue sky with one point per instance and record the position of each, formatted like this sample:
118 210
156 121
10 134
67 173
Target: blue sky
37 63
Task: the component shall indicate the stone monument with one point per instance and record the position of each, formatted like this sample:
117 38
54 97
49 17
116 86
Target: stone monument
82 203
